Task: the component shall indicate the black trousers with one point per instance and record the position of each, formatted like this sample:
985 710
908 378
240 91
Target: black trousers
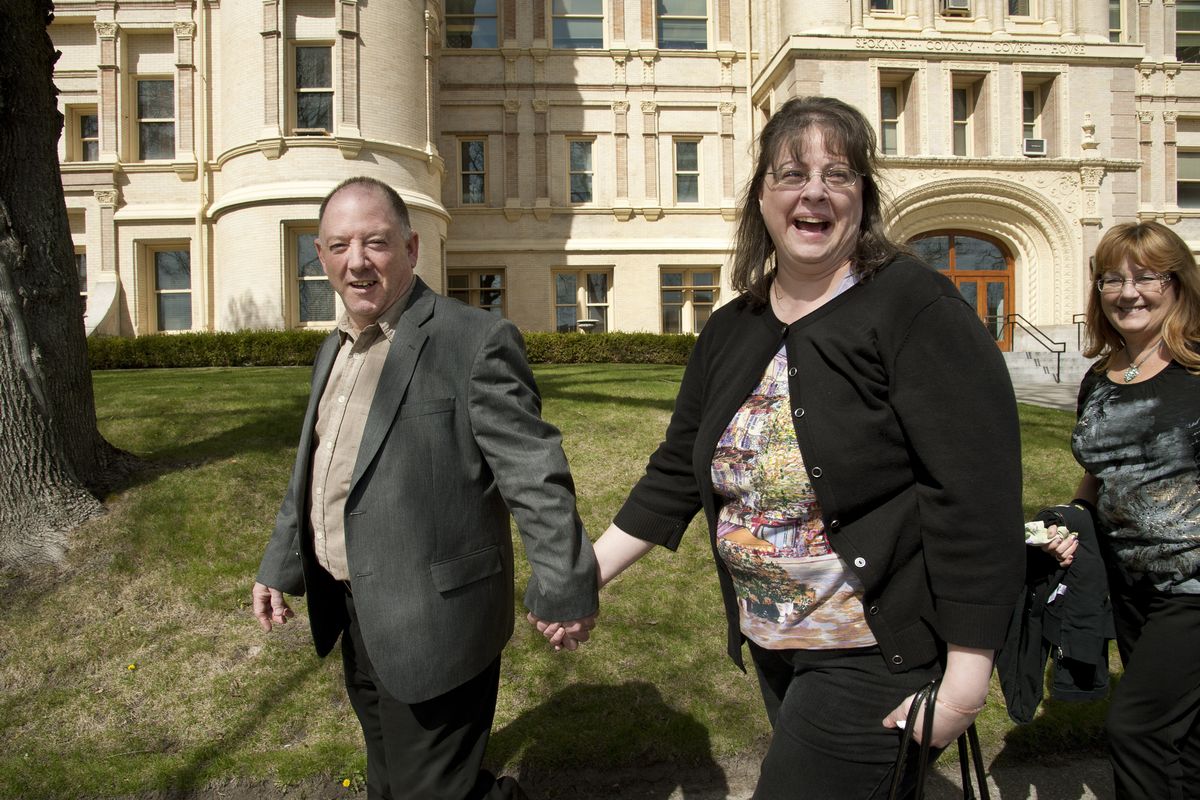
428 750
1154 719
827 708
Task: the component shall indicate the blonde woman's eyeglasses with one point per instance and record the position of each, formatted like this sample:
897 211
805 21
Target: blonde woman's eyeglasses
1146 283
835 178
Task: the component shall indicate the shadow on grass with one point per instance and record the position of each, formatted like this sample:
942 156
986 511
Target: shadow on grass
650 746
591 384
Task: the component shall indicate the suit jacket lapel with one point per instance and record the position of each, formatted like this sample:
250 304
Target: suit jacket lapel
402 358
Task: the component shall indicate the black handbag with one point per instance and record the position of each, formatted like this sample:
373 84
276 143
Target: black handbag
968 750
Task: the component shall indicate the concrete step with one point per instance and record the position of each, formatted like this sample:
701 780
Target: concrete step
1034 367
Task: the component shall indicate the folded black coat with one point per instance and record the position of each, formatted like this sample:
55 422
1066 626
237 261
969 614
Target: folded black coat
1064 612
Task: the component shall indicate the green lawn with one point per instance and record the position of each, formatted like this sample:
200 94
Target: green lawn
139 667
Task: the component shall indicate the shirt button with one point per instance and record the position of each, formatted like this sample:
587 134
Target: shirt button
341 398
319 490
860 562
816 472
791 372
799 412
329 446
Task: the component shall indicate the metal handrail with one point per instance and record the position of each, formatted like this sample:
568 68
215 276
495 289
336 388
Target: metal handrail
1080 320
1054 346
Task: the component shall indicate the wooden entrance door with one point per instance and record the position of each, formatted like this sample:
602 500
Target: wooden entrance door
981 268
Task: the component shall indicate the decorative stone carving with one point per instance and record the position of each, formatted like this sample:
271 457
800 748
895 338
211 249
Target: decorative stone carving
106 197
727 108
1088 143
649 107
106 30
185 30
620 106
1145 117
541 106
1170 117
512 106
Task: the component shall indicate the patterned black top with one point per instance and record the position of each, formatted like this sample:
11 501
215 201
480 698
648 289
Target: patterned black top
1142 442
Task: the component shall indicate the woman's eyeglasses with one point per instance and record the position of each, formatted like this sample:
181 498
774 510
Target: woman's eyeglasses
1146 283
835 178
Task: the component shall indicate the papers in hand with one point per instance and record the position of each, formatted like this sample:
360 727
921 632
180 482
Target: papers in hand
1037 533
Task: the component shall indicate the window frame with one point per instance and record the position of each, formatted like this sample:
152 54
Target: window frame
464 173
965 124
590 172
81 253
688 289
1194 33
296 91
448 18
1116 34
678 173
582 302
567 15
879 7
473 290
76 150
660 16
896 123
138 120
1029 12
292 233
150 251
1192 155
1031 112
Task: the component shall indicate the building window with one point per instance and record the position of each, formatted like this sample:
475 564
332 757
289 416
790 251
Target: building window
889 120
155 118
963 102
481 288
472 169
1188 185
577 24
471 24
581 301
580 170
81 270
1018 8
1031 112
173 289
687 171
688 296
883 5
314 90
1187 31
682 24
315 302
83 134
1114 20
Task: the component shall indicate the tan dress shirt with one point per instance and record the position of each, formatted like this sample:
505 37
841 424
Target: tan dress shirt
341 418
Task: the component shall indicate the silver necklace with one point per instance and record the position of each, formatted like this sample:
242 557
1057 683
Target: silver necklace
1135 366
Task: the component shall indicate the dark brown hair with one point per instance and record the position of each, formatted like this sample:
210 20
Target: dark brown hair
848 134
1150 246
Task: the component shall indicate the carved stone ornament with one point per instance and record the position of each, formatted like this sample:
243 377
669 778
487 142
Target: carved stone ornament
727 108
1091 176
106 30
185 30
1170 117
432 26
105 197
620 106
541 106
512 106
1145 117
649 106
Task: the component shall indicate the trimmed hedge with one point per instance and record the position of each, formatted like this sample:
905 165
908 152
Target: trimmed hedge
298 348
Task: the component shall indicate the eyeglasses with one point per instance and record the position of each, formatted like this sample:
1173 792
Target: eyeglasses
835 178
1146 283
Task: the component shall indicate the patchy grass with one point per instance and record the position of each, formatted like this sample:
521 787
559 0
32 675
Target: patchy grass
139 667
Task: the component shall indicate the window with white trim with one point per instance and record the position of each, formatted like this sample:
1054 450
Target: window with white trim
687 296
1187 31
312 114
82 133
172 275
1115 26
472 167
580 171
480 288
1019 8
687 171
155 107
1187 186
316 302
81 270
682 24
577 24
471 24
581 300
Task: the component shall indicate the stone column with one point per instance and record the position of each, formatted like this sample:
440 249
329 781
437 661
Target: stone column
512 165
349 126
185 81
1145 147
541 175
621 205
270 141
106 32
653 206
728 190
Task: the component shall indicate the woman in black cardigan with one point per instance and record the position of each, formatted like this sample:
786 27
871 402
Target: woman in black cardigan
848 427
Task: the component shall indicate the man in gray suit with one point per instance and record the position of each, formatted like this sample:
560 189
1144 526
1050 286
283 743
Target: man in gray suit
423 432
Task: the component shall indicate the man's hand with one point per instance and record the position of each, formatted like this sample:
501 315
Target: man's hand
269 606
569 634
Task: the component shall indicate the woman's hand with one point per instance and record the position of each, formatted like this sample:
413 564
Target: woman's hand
960 697
1062 545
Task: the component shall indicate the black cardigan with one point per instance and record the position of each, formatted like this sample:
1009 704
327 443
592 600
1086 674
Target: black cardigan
906 419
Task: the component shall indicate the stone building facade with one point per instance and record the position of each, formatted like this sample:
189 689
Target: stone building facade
577 164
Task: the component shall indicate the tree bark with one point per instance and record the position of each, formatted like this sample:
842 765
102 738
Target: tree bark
53 460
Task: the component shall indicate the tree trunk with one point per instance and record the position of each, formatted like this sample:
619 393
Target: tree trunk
53 460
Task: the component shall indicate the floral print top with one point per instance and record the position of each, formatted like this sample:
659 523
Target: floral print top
793 590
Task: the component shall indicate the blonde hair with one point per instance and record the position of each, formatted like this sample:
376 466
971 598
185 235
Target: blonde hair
1151 246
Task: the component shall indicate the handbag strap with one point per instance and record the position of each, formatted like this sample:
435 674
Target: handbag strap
969 751
920 698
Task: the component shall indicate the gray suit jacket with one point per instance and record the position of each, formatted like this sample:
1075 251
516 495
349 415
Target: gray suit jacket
454 441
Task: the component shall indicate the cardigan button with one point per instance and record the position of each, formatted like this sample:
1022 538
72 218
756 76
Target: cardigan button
873 610
815 472
897 660
860 562
835 523
798 413
792 372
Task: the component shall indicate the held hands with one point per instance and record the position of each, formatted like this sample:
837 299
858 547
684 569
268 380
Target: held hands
568 634
269 606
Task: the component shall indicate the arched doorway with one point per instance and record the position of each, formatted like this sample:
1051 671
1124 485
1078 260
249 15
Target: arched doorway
980 267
